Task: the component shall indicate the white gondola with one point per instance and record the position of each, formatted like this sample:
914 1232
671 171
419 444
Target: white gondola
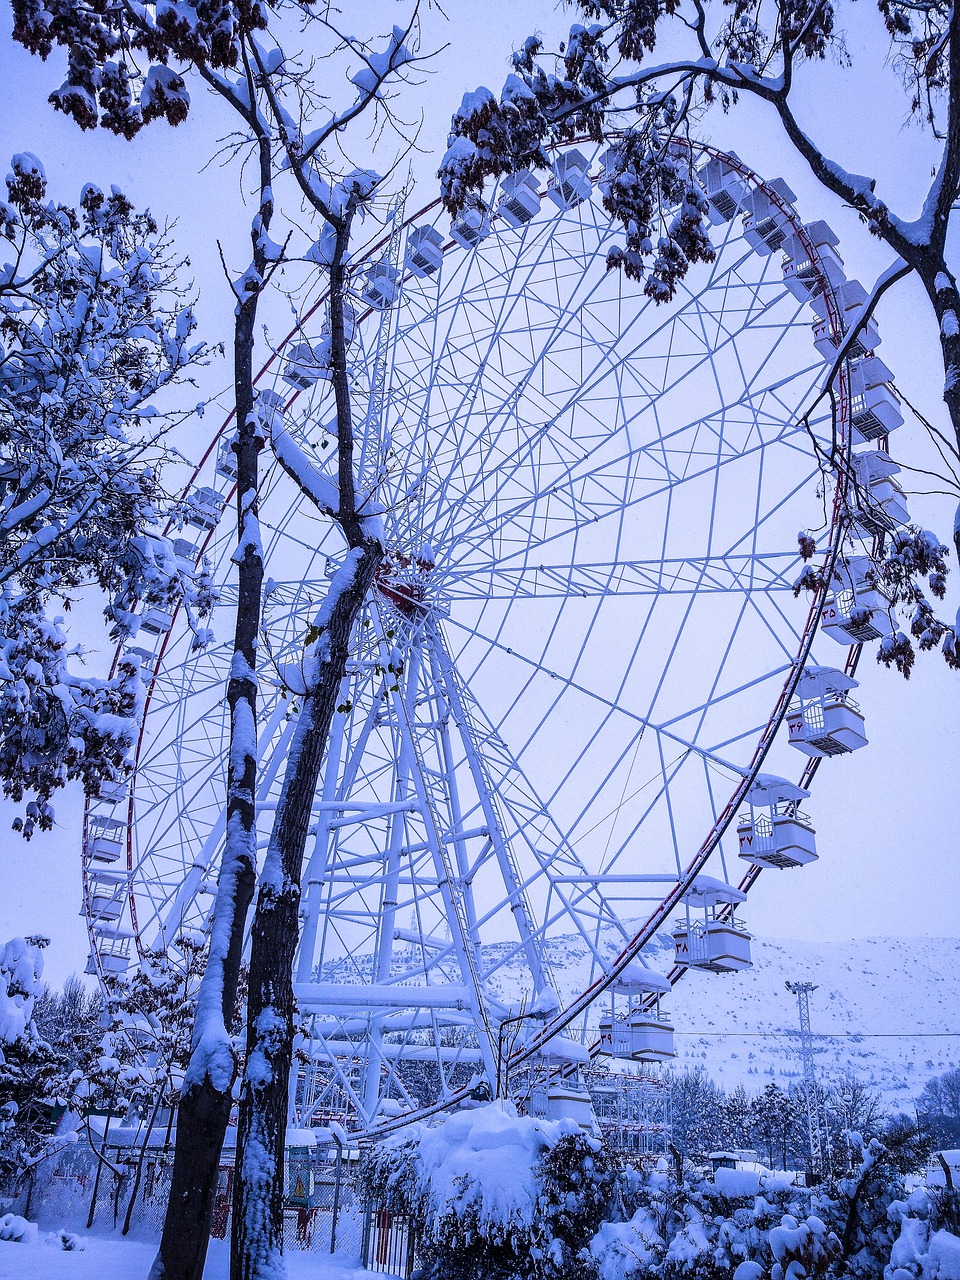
105 838
848 299
157 621
382 288
206 508
113 950
725 190
112 793
874 407
773 832
470 226
609 169
765 224
565 1098
271 403
227 465
638 1035
187 553
569 184
112 963
878 503
519 198
570 1100
801 275
148 660
824 720
856 611
424 253
304 368
106 898
720 942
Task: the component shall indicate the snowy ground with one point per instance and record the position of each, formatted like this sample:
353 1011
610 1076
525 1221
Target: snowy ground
112 1259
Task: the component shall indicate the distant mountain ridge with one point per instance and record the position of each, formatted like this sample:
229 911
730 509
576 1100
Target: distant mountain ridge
876 995
894 988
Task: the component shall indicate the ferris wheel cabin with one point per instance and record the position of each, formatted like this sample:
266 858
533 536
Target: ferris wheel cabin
801 274
719 942
569 183
824 720
765 225
857 610
725 190
848 298
773 832
642 1034
519 199
878 504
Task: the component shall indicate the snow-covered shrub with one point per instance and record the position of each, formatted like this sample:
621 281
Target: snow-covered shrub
13 1227
29 1068
497 1196
752 1225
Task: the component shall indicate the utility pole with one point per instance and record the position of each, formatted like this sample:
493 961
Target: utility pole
816 1128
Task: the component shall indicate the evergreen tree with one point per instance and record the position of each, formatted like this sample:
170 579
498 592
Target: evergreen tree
939 1108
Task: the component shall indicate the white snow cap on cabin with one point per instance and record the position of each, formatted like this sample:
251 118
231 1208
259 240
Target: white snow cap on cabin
642 978
709 892
769 789
829 677
562 1049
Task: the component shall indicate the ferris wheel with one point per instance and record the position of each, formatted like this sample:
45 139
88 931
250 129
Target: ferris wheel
579 651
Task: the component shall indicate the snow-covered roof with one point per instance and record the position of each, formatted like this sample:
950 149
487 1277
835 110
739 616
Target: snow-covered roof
639 977
828 678
768 788
708 892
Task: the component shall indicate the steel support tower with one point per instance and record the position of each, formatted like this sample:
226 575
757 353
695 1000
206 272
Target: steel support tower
818 1135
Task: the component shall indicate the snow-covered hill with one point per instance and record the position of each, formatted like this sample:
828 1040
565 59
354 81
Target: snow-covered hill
875 999
877 1003
876 996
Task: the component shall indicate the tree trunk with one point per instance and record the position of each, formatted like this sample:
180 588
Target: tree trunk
258 1209
203 1112
941 287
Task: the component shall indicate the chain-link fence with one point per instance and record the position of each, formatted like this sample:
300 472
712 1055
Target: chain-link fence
126 1191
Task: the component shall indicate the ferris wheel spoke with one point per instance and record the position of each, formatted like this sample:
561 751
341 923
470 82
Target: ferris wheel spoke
766 571
707 356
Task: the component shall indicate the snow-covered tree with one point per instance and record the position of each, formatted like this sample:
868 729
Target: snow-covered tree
497 1196
938 1106
129 65
776 1120
93 329
698 1120
641 73
29 1065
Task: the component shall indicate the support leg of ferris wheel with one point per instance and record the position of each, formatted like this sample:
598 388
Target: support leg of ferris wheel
446 681
272 753
390 890
316 865
432 799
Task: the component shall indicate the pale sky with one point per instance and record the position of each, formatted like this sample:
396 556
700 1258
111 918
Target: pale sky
887 817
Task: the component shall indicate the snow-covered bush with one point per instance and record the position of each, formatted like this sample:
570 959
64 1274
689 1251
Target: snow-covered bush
497 1196
28 1065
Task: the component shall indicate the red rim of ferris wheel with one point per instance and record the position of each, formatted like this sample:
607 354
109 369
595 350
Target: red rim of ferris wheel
673 899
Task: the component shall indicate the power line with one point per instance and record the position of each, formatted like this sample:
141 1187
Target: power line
829 1035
